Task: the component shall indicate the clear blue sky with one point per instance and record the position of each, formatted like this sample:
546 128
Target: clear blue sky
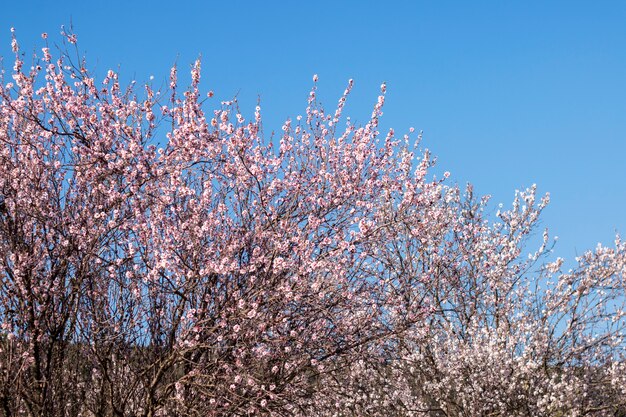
507 93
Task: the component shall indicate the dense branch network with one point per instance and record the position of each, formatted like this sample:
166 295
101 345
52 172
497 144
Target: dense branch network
160 259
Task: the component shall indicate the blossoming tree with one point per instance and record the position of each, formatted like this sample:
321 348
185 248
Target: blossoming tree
159 259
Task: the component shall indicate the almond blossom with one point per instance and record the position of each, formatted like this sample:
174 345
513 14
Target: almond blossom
161 258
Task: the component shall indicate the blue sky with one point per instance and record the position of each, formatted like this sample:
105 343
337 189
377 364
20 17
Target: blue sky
507 93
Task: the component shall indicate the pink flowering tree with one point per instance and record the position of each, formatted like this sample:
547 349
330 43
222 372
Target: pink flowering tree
159 258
